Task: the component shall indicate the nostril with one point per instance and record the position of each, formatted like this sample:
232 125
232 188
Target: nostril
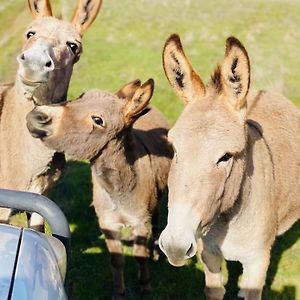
48 64
42 118
190 251
22 56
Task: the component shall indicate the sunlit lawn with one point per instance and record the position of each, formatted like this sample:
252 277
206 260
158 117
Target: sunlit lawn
126 43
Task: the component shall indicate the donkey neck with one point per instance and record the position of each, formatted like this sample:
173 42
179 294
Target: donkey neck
21 154
21 102
255 185
52 92
254 201
115 168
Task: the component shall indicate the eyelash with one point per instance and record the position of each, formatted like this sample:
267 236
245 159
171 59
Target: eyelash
225 157
30 34
98 121
73 47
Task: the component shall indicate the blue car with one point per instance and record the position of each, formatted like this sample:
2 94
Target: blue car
33 265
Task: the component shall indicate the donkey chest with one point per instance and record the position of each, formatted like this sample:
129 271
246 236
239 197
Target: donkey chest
127 210
46 175
238 241
231 247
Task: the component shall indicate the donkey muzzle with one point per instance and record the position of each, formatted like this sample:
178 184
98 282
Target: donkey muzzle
177 247
36 63
38 123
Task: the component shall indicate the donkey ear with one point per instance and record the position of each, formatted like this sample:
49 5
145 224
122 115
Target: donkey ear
181 75
85 13
40 8
127 91
235 73
134 107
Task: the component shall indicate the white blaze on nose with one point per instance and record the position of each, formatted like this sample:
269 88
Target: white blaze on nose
36 63
178 239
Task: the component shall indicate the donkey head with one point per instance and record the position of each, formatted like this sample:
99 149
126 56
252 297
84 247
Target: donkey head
82 128
209 140
51 48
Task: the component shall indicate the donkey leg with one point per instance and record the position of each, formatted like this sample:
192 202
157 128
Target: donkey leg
117 261
214 288
37 222
5 214
155 250
254 276
141 254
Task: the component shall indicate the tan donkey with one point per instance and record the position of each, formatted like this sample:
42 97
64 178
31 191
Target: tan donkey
126 143
234 182
51 48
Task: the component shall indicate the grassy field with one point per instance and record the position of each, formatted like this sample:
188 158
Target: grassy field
126 43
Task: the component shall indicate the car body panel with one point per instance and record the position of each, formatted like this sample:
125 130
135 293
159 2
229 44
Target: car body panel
9 240
37 273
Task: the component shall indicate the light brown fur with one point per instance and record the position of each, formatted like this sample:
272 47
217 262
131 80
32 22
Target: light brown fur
129 156
234 181
25 163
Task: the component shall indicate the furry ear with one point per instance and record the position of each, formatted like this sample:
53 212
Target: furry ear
85 13
127 91
181 75
135 106
235 73
40 8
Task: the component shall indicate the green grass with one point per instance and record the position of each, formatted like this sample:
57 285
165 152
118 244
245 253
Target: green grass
125 43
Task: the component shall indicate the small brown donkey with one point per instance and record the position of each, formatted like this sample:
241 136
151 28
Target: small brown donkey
51 48
234 181
126 143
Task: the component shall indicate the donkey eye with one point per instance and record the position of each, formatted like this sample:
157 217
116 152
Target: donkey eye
225 158
98 121
72 46
30 34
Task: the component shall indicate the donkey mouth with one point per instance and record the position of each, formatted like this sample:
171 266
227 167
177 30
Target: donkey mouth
177 263
30 82
38 134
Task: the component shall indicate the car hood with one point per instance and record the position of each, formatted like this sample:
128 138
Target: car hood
29 266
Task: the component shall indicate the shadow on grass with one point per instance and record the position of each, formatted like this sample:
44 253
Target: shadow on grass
90 276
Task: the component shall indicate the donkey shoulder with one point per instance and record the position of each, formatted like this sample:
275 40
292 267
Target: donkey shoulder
153 118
